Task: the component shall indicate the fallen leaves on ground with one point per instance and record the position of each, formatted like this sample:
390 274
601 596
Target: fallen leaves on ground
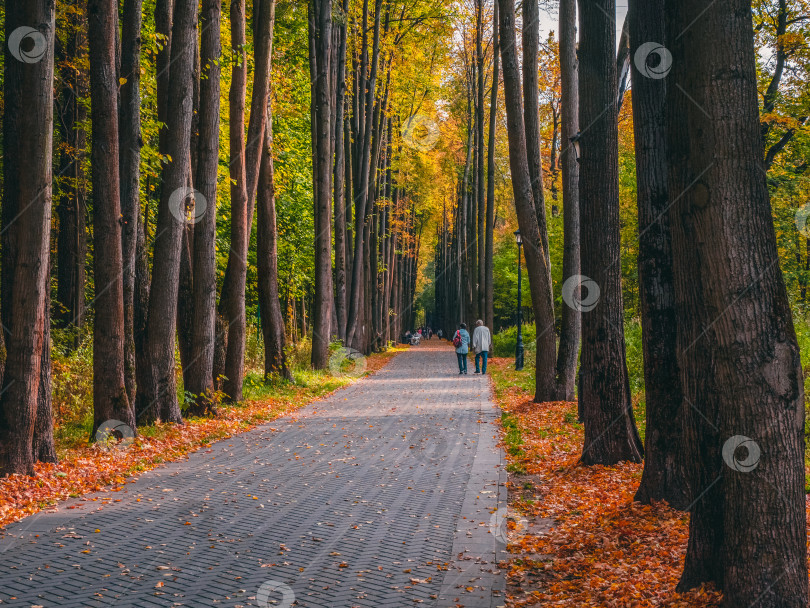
88 468
584 542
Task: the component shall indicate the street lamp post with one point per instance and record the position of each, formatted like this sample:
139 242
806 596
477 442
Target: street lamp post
519 346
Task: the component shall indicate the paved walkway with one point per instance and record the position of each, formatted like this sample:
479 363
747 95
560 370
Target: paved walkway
384 494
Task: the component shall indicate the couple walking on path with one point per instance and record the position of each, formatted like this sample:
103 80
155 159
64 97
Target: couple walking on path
481 341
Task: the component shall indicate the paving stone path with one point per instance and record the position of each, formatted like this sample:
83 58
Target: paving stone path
388 493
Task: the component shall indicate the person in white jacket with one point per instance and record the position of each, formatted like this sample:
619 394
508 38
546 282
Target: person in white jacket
481 342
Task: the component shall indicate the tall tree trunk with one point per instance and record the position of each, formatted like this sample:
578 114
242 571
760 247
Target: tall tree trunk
72 209
531 108
489 307
199 374
569 82
275 361
130 174
480 182
243 192
27 141
665 476
110 401
539 284
145 404
342 191
232 301
361 178
322 101
750 535
161 391
610 429
164 11
185 293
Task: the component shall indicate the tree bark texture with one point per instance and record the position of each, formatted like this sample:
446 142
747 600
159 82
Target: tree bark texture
199 374
129 134
748 527
539 284
72 209
571 322
27 137
665 475
162 319
110 401
322 101
489 281
610 430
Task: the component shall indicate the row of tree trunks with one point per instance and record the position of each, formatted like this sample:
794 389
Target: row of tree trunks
364 110
133 333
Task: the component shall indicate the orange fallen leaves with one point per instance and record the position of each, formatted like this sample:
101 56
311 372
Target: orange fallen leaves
602 549
88 469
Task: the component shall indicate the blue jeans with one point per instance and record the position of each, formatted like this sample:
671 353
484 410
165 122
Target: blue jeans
483 355
462 362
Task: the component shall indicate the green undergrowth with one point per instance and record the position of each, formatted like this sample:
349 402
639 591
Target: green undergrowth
72 382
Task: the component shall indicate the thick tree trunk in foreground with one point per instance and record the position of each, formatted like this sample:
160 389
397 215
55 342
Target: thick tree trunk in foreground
26 215
539 284
110 401
162 321
321 21
749 536
610 429
665 476
569 83
489 282
199 374
130 172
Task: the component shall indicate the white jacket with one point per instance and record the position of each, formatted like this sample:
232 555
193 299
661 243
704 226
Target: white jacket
482 339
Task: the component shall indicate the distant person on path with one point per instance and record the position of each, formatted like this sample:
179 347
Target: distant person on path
481 342
440 333
461 341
